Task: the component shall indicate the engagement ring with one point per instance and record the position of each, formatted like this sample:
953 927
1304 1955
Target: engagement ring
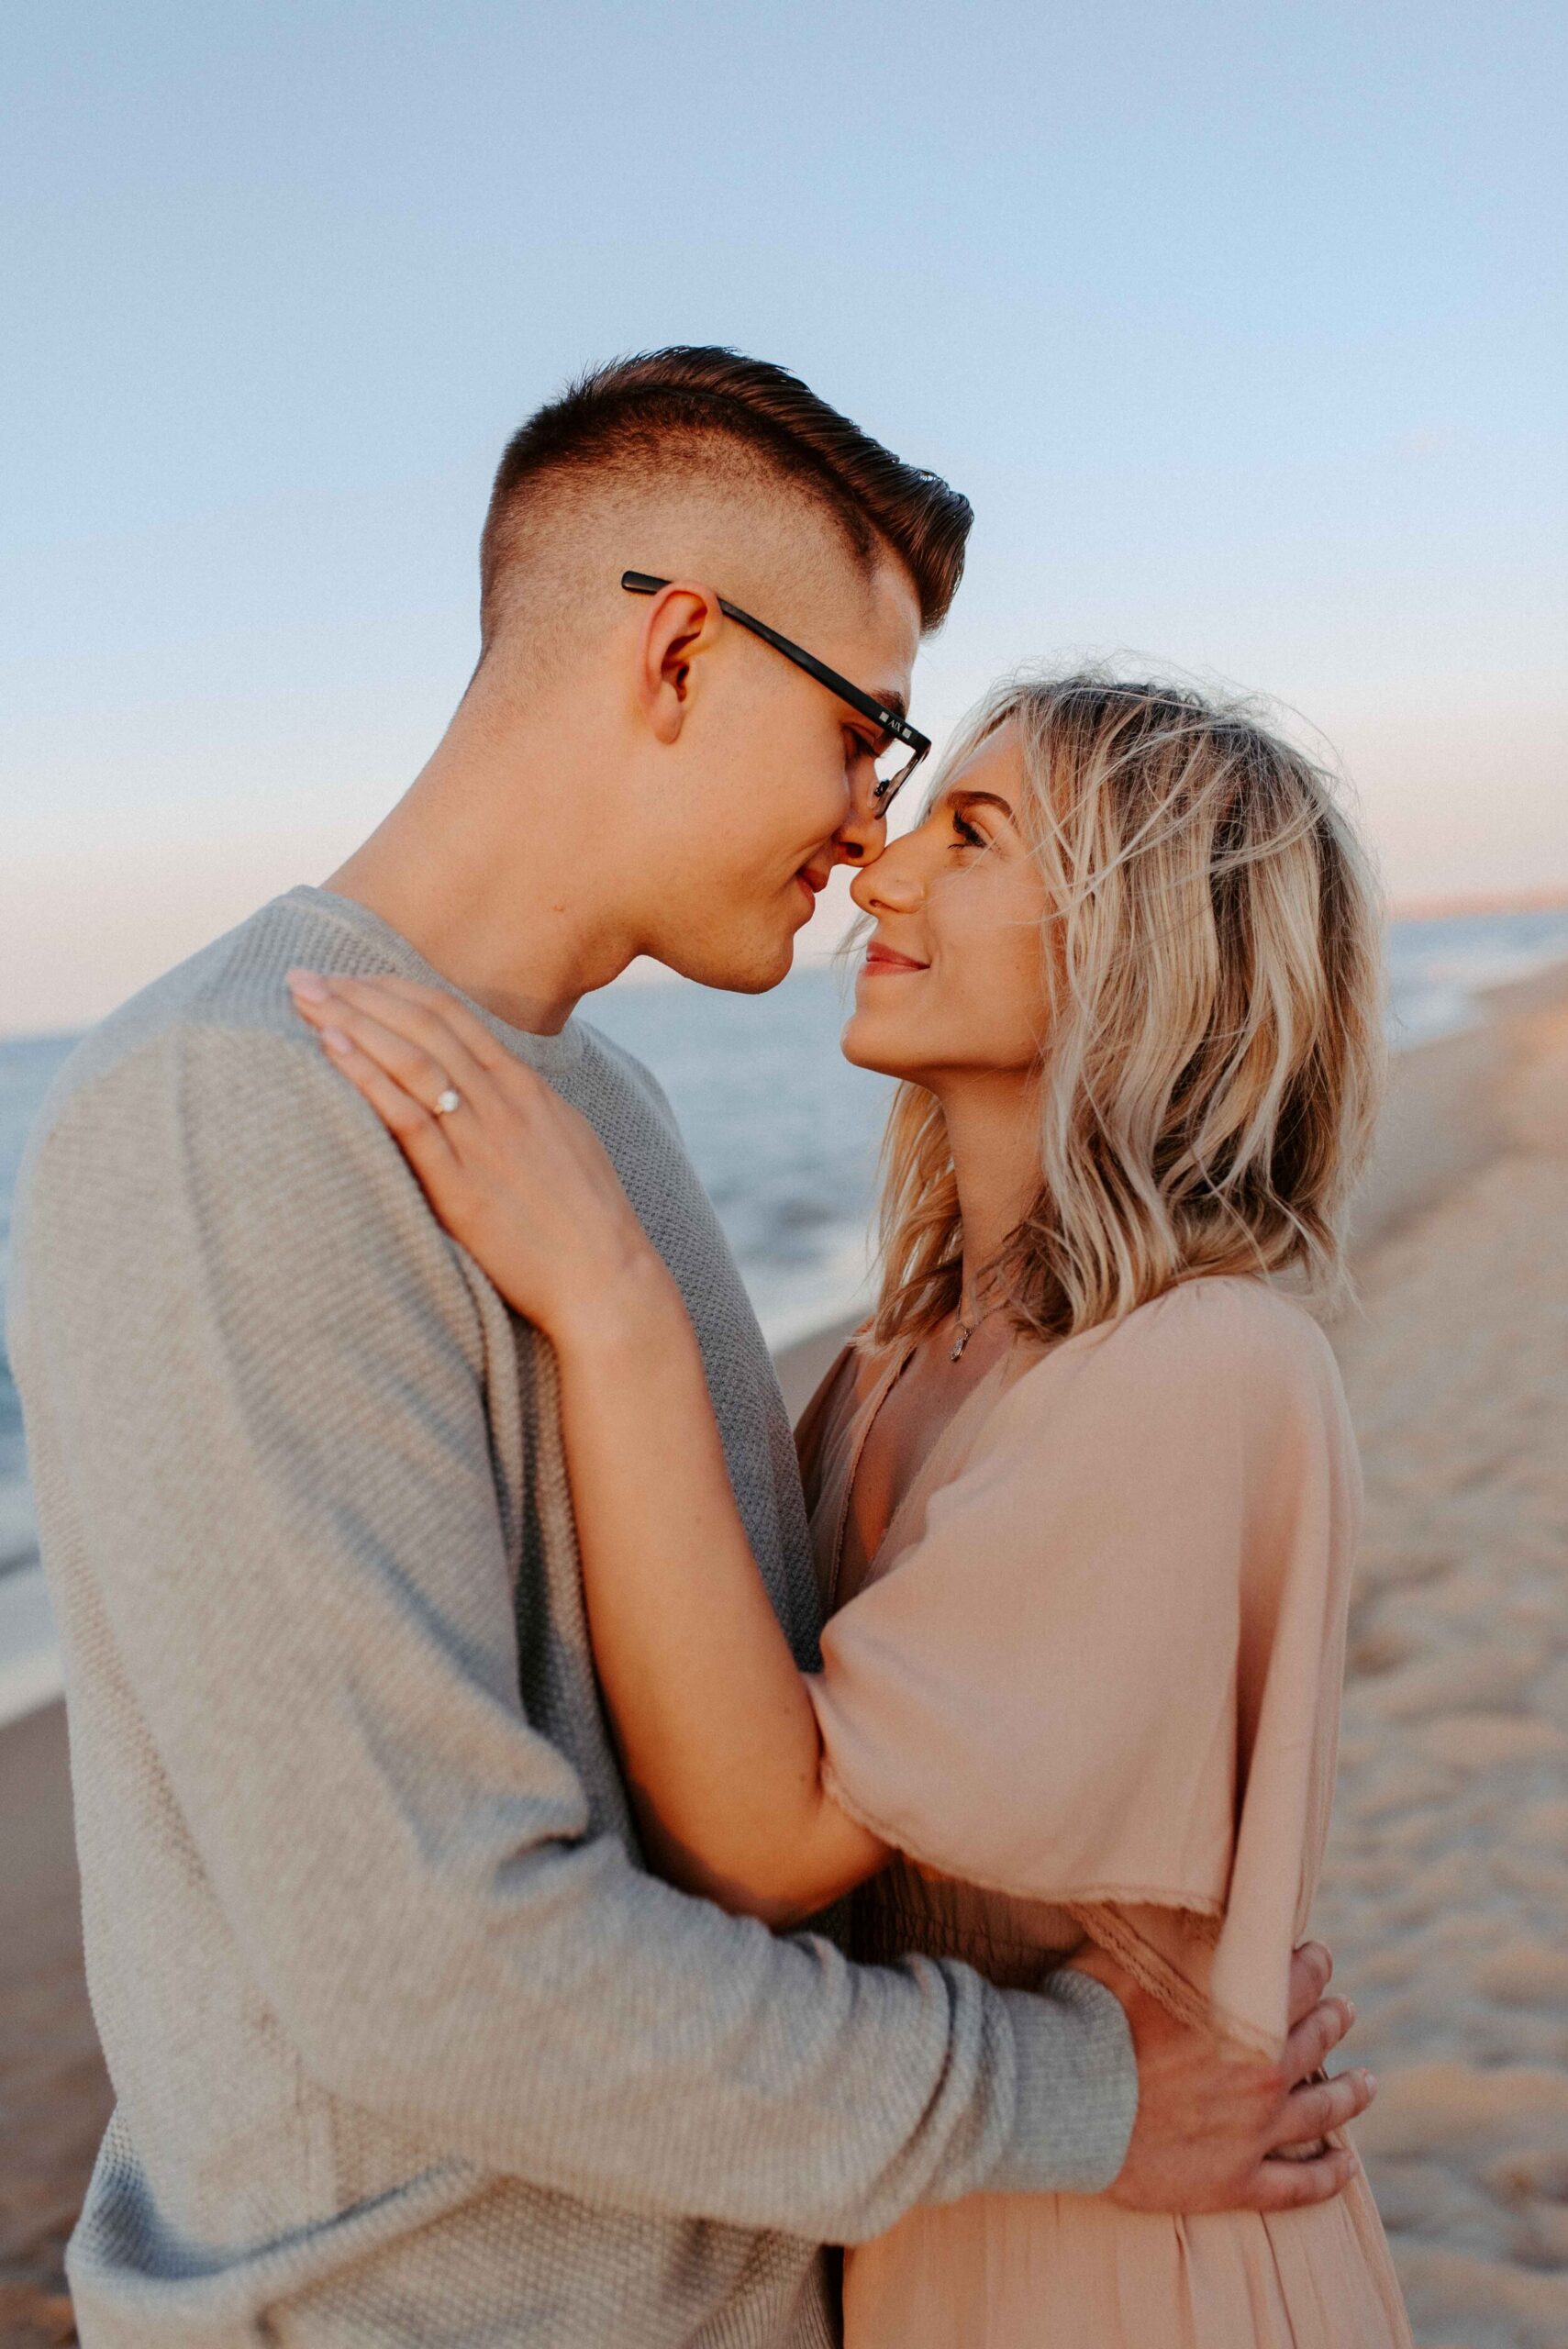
447 1101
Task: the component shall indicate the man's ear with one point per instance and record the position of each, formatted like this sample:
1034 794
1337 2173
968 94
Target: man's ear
683 622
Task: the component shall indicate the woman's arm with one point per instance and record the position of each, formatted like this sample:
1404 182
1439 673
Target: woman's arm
717 1733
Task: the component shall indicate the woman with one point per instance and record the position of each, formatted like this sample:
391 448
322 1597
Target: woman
1084 1495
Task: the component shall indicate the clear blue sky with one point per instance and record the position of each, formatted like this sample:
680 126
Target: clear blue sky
1243 327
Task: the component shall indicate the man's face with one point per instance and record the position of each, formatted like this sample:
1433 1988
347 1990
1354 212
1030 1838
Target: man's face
770 784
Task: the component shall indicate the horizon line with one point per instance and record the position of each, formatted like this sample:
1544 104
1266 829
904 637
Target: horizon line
1438 905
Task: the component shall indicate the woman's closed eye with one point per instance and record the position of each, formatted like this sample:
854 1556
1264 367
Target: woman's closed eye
968 835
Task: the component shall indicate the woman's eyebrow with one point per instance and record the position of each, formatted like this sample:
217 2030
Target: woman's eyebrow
979 799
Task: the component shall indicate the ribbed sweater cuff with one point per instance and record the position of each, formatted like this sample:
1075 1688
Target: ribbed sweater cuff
1078 2088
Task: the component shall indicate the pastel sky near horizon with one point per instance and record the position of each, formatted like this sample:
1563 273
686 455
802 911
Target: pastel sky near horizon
1241 326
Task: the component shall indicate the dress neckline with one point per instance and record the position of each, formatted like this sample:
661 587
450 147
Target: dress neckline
941 1463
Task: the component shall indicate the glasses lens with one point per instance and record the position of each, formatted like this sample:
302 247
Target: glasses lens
893 768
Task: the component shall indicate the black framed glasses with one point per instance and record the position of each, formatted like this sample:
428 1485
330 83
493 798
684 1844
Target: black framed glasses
900 746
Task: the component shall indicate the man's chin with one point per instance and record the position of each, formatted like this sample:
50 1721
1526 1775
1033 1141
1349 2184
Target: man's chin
750 967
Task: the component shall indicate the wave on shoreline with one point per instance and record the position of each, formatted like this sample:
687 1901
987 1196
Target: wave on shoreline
785 1136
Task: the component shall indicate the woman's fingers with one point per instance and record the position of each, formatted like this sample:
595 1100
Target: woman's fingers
518 1176
417 1133
409 1044
413 1068
426 1016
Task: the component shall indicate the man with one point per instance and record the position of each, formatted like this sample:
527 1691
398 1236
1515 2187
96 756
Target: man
407 2046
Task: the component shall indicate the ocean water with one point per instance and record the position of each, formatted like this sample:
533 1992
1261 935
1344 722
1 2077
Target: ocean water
784 1133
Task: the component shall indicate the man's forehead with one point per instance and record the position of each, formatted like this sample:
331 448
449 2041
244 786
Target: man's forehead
879 635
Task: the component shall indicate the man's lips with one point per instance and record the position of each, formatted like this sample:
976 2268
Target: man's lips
885 958
809 882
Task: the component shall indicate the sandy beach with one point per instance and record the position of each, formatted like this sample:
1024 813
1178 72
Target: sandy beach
1446 1891
1446 1895
54 2096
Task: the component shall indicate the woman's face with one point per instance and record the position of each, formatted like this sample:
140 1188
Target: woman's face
954 980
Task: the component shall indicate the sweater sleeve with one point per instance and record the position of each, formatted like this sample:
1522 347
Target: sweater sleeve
263 1364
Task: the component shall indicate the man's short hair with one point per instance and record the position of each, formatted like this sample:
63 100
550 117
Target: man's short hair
641 414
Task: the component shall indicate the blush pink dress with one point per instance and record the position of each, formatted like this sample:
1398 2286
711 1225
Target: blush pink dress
1087 1687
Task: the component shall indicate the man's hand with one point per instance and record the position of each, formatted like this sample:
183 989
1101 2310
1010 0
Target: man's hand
1220 2129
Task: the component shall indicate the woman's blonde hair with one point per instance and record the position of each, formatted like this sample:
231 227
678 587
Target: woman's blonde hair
1211 969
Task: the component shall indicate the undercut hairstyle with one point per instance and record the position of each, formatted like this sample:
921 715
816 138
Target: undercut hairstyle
1211 991
647 417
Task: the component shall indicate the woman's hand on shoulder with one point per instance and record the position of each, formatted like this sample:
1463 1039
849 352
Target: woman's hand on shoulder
514 1174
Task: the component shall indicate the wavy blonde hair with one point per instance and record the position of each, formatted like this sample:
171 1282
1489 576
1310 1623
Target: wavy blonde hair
1211 970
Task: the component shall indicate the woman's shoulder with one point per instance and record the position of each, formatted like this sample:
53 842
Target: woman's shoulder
1214 1405
1235 1317
1224 1344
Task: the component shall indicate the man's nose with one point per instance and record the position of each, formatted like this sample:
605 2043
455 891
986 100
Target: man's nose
862 836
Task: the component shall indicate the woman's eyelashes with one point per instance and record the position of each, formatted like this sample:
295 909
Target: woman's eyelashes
967 832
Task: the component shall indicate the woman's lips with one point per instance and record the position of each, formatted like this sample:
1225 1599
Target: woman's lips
884 958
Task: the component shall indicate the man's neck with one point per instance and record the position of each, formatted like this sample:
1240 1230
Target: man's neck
515 929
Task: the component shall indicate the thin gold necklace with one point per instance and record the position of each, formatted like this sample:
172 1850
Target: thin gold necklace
966 1325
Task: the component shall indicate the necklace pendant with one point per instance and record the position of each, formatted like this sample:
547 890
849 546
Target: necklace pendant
958 1343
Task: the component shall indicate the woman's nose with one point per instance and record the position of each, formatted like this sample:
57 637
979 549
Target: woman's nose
894 884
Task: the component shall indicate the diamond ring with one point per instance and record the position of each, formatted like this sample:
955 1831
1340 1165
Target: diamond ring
447 1101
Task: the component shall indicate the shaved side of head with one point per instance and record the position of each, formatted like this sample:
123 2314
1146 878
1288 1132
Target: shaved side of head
699 464
704 510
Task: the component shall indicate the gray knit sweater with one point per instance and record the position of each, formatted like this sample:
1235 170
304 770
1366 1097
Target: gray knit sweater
409 2047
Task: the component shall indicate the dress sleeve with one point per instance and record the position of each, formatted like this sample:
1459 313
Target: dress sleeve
1104 1670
